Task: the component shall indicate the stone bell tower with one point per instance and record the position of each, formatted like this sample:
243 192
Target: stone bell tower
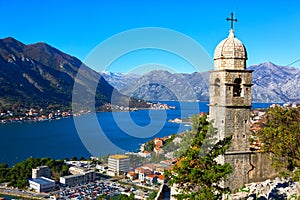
230 103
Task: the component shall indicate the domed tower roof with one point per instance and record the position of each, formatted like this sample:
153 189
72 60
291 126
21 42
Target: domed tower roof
231 47
230 50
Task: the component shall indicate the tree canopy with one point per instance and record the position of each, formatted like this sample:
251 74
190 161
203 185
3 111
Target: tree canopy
280 135
18 175
197 174
119 197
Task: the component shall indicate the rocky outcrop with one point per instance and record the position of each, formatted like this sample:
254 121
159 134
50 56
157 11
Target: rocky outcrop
276 189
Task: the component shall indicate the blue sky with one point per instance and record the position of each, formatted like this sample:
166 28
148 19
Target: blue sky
269 29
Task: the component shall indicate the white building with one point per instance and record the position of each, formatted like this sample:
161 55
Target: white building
102 167
42 184
41 171
76 179
145 154
72 180
119 164
143 172
77 170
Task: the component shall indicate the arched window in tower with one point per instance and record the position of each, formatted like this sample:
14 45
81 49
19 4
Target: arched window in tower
237 89
217 87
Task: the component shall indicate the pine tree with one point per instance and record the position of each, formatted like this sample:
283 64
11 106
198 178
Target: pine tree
197 174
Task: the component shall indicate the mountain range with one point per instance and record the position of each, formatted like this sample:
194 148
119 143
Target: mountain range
272 83
41 75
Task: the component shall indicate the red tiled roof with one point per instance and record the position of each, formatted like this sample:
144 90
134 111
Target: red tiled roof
131 173
150 176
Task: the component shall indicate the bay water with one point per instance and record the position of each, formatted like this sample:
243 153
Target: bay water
62 138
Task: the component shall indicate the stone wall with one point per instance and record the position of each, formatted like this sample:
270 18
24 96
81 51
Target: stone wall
261 168
240 166
247 168
237 125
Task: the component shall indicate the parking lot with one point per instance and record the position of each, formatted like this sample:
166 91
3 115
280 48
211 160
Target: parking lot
98 188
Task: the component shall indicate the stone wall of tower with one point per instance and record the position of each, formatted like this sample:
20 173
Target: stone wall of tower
222 94
215 113
237 125
234 121
230 64
240 163
238 155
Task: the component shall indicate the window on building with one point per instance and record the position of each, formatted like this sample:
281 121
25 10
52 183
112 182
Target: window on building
237 89
217 87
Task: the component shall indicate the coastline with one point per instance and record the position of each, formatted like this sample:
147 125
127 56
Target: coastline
35 117
19 193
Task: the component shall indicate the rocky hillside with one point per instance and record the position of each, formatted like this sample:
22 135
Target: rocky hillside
162 85
272 83
41 75
119 80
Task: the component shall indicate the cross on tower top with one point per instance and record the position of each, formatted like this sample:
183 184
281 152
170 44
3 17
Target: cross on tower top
231 19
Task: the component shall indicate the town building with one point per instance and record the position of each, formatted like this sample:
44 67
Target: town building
158 142
143 172
154 178
41 171
119 164
158 150
77 170
161 179
41 184
145 154
151 179
72 180
75 179
102 167
132 175
230 103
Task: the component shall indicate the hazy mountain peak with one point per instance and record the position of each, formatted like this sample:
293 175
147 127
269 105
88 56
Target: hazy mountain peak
155 72
269 63
119 80
272 83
